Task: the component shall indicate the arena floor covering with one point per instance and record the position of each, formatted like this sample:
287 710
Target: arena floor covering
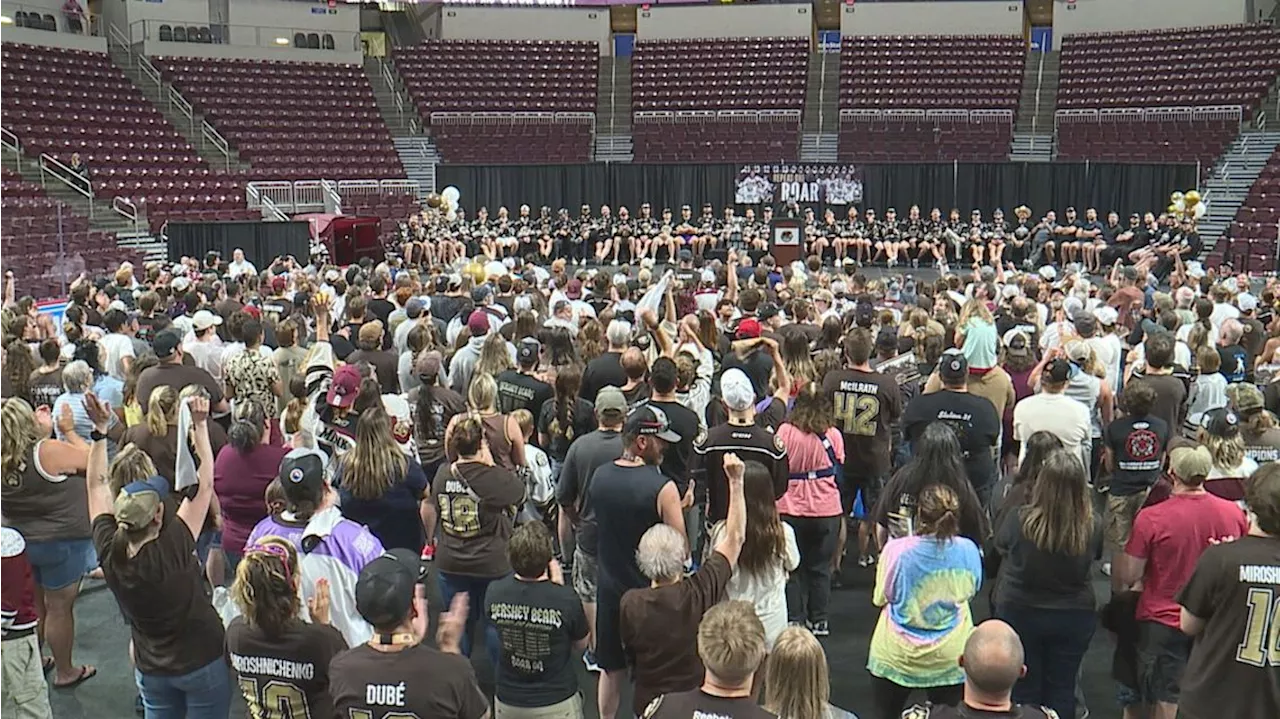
102 640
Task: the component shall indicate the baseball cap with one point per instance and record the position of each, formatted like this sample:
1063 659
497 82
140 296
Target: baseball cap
1191 462
302 474
768 310
649 421
1221 422
166 343
685 256
1009 292
1058 370
1247 302
888 337
1016 343
748 328
953 367
481 293
527 352
414 308
864 314
371 331
478 323
135 506
736 390
1106 316
1245 397
385 587
180 284
345 386
1086 324
610 398
204 319
278 283
428 365
1048 274
1078 351
253 311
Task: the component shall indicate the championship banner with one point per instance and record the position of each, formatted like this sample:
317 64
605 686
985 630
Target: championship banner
805 184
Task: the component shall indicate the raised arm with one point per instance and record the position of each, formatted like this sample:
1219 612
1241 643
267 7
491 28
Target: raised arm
193 511
100 499
730 544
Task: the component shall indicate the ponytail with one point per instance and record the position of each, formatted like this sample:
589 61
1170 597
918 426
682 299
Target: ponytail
568 383
265 588
160 410
247 425
938 512
292 422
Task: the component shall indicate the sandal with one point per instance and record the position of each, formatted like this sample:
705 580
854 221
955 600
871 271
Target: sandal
86 672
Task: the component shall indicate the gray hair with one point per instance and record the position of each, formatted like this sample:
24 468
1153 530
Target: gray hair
77 377
619 333
661 553
1231 331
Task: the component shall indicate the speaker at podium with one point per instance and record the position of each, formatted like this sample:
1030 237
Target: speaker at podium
785 235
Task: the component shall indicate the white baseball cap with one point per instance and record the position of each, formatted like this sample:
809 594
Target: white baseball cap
204 319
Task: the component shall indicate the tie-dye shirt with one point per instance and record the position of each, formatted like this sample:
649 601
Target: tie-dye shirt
924 586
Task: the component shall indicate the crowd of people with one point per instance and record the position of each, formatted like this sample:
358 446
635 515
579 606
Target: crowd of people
861 239
661 470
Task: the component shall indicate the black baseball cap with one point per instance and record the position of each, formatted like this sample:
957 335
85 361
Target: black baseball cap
767 310
1221 422
651 421
385 587
527 352
166 343
953 367
302 475
1085 323
1058 370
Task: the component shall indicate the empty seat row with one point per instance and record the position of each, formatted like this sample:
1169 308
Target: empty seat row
908 71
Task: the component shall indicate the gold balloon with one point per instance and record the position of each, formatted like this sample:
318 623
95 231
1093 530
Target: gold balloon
1173 209
1192 198
476 271
434 200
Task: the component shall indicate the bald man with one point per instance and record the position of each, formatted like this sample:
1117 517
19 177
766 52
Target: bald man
992 663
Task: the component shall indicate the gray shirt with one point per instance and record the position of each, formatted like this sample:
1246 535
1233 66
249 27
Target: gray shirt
586 454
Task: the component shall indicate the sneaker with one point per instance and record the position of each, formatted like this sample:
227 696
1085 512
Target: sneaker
589 659
1106 568
819 629
428 553
865 561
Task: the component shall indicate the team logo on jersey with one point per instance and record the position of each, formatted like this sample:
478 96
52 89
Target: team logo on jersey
1141 445
402 430
777 443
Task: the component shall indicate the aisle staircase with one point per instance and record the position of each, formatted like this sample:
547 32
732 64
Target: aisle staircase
819 147
1229 181
394 104
614 148
1031 147
1039 93
419 156
613 110
822 94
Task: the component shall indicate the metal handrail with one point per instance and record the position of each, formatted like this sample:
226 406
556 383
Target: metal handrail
126 209
177 101
10 141
822 96
333 201
149 70
1039 86
50 166
213 137
271 213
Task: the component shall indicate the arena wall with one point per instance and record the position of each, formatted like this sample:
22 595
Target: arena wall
1120 15
49 39
982 17
484 23
706 21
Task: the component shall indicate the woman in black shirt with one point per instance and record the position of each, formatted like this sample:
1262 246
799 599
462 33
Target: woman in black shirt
1047 550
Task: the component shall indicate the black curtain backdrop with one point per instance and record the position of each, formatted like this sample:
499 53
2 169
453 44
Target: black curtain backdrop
1040 186
262 242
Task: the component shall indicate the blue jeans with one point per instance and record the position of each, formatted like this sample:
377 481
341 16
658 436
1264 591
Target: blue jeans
60 563
1054 641
475 587
202 694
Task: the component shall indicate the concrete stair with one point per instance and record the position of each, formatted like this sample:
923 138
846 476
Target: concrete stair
1028 147
419 156
169 102
394 104
822 94
819 147
1229 181
99 210
1040 74
1269 110
614 148
613 97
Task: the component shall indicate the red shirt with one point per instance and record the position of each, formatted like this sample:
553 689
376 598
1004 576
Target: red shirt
240 481
17 586
1171 536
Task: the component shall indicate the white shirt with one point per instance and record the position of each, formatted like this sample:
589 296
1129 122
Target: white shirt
1107 349
1056 414
117 347
235 269
1223 312
768 590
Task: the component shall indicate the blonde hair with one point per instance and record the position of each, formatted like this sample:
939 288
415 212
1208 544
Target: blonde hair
19 433
797 680
130 465
1227 452
494 358
266 585
376 462
483 393
731 642
162 410
975 308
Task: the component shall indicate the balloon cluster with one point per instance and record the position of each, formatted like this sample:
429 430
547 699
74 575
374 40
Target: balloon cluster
446 201
1184 205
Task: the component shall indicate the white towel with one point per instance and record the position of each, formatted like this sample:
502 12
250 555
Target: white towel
185 474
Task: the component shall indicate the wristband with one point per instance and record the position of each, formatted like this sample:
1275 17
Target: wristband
97 436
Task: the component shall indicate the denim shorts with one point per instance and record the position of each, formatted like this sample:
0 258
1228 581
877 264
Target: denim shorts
59 563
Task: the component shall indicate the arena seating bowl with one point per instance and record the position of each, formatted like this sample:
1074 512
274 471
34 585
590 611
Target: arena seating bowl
900 76
60 101
1251 241
740 102
1151 135
503 76
290 120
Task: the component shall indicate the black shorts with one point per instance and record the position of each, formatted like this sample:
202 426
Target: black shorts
609 653
1162 657
855 479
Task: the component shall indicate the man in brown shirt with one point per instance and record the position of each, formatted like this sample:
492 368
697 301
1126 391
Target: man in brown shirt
660 624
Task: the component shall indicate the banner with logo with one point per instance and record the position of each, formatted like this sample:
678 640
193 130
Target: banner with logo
805 184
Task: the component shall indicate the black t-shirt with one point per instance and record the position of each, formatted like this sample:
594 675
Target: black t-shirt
866 406
537 623
679 455
417 681
603 371
1137 445
758 364
517 390
1111 232
288 675
750 442
1232 670
625 499
160 591
963 711
43 388
1034 578
972 417
698 703
445 307
1235 363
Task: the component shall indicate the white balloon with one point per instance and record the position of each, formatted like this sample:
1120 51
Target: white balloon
1181 205
451 194
1200 210
451 215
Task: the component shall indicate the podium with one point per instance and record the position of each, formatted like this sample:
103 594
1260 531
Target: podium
786 236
